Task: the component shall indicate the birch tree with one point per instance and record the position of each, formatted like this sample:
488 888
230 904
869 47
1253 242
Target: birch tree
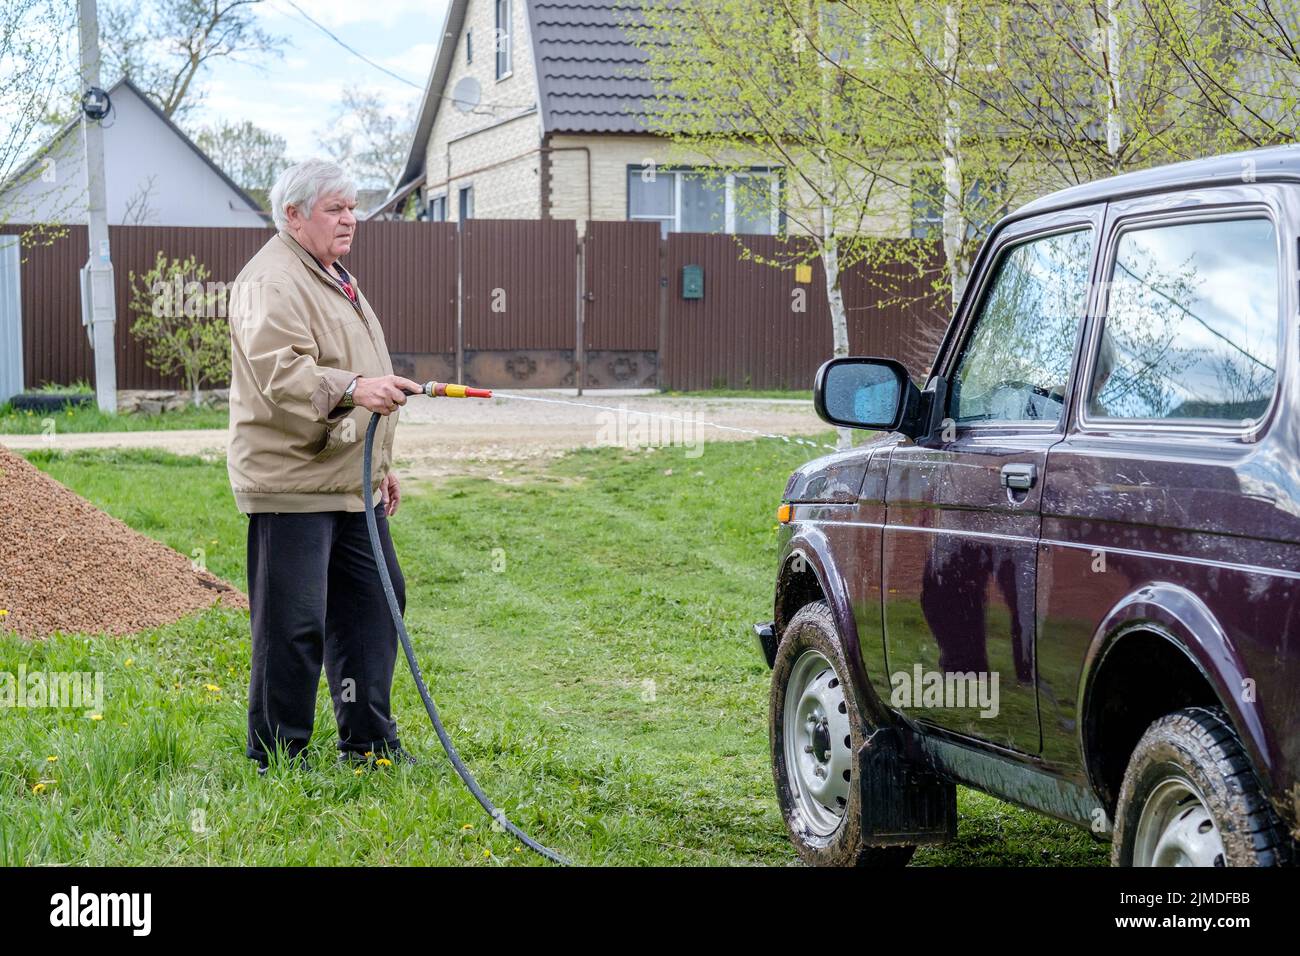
1240 64
744 83
833 96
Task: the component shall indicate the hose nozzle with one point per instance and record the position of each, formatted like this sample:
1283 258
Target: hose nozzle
453 390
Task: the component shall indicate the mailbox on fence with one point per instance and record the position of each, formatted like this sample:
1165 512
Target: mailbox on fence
692 282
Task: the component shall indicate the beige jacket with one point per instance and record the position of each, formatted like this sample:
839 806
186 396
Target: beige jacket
296 341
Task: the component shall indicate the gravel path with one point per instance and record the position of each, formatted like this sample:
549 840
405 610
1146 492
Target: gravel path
438 437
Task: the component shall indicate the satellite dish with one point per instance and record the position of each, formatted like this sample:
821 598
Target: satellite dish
466 94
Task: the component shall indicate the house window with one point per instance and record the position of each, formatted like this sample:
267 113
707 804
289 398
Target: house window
701 200
438 209
984 206
466 197
469 47
503 39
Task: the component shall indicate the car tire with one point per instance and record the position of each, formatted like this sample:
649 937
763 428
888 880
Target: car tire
822 814
1191 798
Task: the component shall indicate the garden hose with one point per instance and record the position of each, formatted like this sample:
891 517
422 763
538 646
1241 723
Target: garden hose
451 391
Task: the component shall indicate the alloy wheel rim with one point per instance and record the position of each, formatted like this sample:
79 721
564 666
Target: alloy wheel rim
818 746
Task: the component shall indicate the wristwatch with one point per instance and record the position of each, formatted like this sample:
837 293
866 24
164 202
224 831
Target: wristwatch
346 400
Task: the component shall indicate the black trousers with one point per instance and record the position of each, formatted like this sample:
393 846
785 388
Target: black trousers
315 595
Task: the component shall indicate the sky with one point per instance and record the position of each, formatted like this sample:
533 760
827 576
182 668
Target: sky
294 95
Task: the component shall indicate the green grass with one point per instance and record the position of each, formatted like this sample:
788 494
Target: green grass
798 394
88 418
585 634
80 387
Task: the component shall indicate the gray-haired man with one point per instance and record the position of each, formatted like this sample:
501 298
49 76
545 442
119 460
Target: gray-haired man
308 365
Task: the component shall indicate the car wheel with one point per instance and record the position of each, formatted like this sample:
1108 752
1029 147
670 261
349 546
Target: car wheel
815 726
1190 798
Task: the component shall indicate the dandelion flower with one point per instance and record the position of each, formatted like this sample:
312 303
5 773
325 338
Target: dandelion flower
51 759
212 687
383 762
39 788
96 716
128 662
467 826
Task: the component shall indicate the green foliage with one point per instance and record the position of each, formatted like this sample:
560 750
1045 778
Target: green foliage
180 316
962 108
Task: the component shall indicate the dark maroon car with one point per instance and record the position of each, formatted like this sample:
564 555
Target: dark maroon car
1070 575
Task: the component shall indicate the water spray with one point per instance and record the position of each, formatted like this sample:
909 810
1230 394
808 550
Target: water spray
788 439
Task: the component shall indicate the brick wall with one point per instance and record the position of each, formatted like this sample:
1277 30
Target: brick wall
502 132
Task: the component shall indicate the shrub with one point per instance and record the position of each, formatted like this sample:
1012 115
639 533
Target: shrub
180 317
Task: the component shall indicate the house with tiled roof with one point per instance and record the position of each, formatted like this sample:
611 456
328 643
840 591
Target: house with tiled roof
536 109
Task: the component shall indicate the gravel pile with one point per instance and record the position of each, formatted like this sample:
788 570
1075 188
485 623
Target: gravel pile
67 566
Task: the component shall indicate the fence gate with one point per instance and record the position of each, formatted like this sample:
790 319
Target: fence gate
11 319
622 307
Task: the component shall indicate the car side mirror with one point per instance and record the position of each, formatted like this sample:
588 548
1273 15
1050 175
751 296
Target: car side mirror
874 393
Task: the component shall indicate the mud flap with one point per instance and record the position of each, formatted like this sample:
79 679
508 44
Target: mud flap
903 800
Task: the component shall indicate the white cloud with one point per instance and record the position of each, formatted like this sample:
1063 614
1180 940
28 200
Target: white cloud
295 96
415 62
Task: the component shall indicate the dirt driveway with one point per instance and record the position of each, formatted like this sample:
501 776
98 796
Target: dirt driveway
444 436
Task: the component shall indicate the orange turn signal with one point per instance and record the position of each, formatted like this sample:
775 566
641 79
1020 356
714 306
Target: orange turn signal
783 513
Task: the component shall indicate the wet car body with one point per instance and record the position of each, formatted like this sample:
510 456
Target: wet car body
1110 570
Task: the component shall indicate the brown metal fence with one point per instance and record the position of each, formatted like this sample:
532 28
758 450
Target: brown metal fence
408 272
523 303
519 301
750 329
758 326
54 341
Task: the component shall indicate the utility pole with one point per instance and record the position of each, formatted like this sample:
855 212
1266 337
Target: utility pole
103 310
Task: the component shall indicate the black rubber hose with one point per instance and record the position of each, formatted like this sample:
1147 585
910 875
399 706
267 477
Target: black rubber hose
470 783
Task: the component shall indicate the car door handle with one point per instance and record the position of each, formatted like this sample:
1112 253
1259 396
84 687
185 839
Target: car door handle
1019 477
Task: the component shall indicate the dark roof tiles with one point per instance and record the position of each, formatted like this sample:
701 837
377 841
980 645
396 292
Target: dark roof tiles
590 76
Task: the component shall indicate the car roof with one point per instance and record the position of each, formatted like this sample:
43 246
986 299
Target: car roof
1269 163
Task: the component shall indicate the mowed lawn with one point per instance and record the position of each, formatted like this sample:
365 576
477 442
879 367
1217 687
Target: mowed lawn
88 418
584 630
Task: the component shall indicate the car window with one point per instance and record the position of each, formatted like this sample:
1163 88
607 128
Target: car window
1191 330
1016 362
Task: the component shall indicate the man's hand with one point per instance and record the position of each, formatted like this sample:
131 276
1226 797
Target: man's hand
383 394
389 494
